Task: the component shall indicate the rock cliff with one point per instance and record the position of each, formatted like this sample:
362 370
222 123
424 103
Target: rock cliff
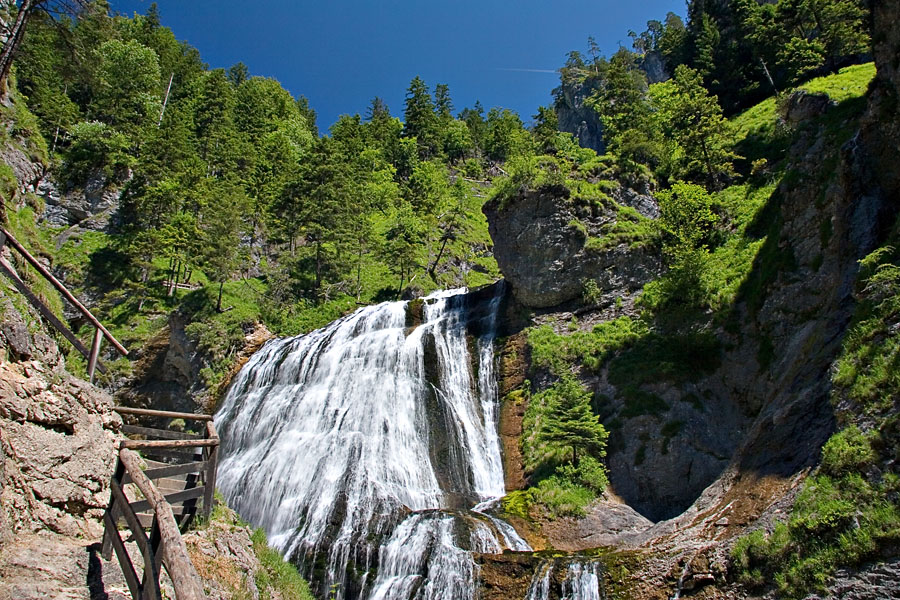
577 118
752 425
541 245
57 438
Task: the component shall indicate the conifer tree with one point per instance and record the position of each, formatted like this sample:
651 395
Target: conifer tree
571 423
443 105
420 119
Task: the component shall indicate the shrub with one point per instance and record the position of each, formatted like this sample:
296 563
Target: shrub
847 451
518 503
96 147
562 497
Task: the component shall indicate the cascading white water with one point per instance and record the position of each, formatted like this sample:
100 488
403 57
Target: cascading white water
582 580
349 446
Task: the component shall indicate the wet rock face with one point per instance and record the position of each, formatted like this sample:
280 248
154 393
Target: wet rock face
57 441
539 243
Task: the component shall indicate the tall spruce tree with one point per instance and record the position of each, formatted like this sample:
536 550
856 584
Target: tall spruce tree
420 119
571 424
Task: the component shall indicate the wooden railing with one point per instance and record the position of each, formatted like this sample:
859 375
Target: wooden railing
100 331
185 471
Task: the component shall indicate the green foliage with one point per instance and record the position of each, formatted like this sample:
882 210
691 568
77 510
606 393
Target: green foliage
527 172
277 578
561 497
518 503
505 136
96 146
848 451
21 224
629 227
126 85
833 523
569 423
562 444
589 473
590 292
590 348
693 121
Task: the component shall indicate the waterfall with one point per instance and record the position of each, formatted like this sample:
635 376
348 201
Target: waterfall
581 581
368 450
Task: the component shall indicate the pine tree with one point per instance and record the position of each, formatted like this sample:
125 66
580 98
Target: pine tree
420 119
571 423
443 105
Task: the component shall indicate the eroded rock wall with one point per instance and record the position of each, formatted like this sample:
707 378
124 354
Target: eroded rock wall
57 437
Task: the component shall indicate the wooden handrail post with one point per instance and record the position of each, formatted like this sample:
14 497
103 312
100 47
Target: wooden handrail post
95 352
209 479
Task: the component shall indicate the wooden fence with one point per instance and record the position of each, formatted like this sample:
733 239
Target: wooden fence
180 470
100 331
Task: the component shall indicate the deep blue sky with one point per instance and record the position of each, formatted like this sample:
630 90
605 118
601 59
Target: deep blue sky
342 53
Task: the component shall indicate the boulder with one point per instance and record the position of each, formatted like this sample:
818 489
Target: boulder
803 106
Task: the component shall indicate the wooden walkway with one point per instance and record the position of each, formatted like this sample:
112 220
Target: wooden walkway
161 483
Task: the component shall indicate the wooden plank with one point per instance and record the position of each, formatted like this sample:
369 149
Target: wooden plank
62 290
106 547
42 308
95 353
175 498
151 573
159 433
178 563
127 410
191 467
168 444
124 559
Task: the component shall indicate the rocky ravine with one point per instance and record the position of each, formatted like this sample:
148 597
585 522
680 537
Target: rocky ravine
741 456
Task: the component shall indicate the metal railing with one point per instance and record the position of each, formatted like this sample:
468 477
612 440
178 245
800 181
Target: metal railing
92 355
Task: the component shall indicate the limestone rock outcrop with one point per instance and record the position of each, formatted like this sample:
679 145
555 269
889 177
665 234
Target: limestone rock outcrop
576 117
540 245
57 444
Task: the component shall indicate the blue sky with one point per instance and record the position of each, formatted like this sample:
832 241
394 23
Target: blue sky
342 53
